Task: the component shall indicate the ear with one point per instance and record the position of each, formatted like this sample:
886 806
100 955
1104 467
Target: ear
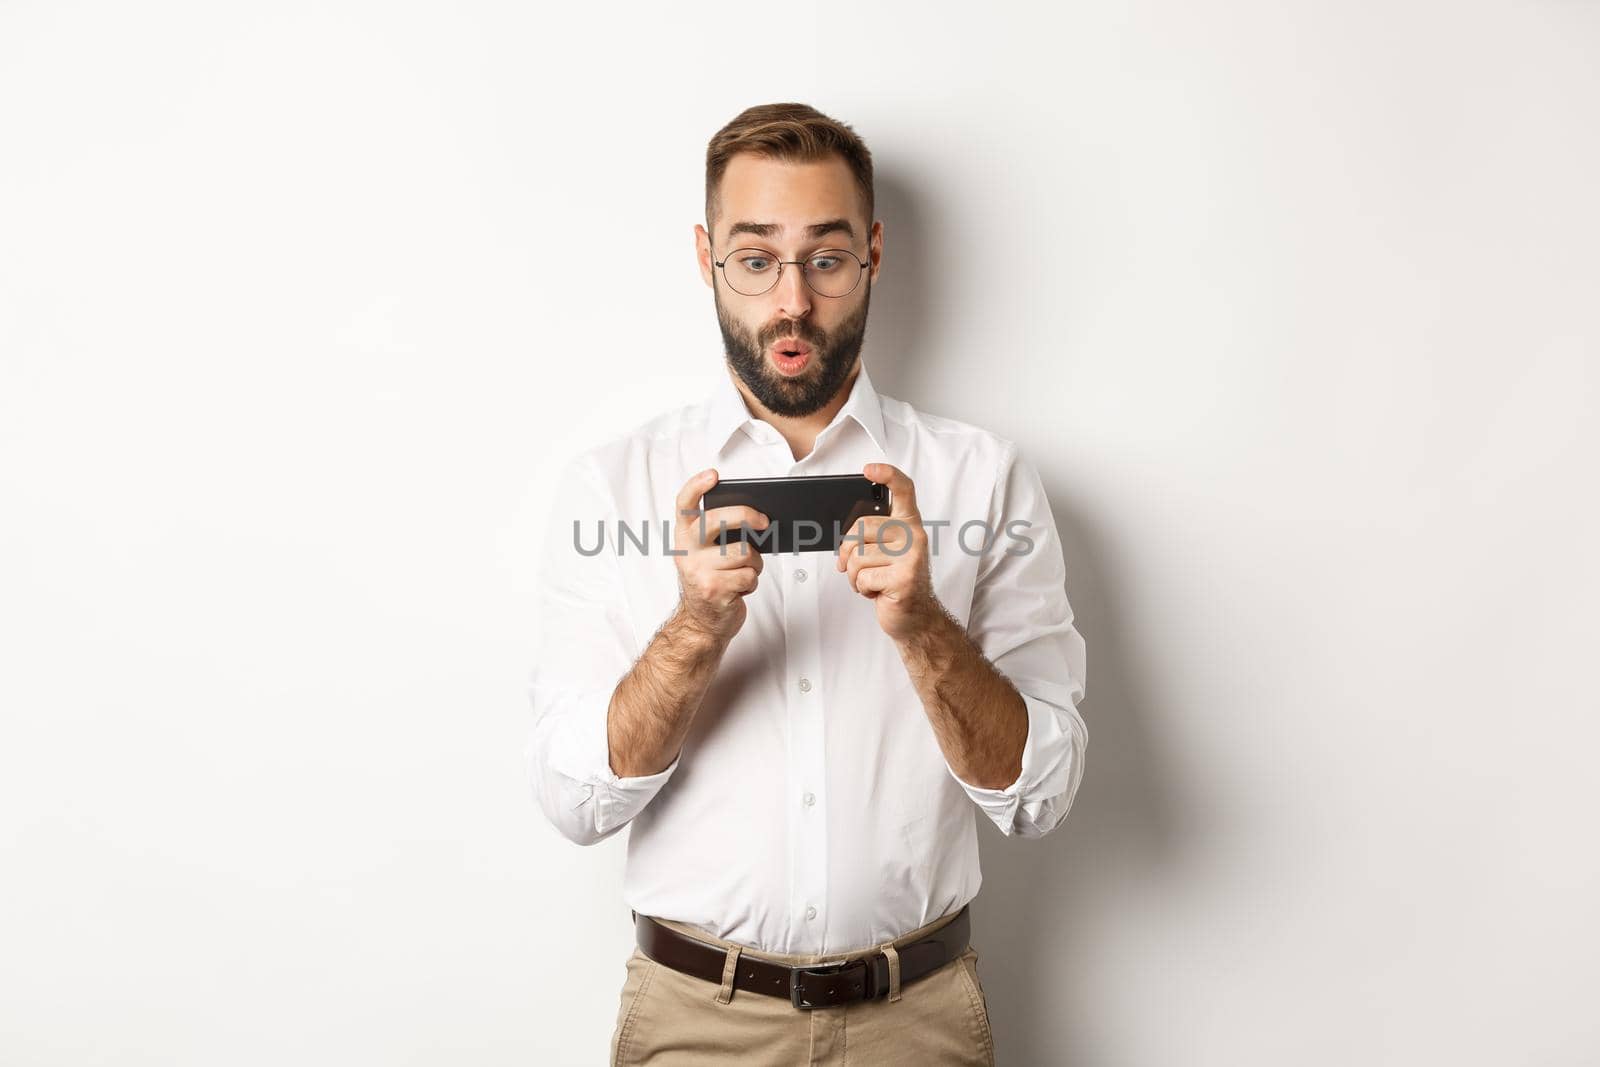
702 246
875 250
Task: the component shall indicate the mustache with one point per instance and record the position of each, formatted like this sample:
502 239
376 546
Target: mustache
802 330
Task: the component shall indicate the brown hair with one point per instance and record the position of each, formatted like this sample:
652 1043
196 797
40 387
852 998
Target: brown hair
796 133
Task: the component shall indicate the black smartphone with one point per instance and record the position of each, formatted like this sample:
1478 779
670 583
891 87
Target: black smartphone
809 513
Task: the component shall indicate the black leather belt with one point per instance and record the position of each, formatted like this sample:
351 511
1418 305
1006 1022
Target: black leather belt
819 985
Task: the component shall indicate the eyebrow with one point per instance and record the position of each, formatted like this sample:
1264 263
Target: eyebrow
770 229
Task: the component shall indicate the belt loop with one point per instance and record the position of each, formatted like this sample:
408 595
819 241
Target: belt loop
730 966
894 969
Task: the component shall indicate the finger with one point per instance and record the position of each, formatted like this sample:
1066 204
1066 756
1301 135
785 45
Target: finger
726 593
873 581
874 557
886 529
850 547
874 531
687 504
902 493
746 580
733 555
853 541
730 518
729 586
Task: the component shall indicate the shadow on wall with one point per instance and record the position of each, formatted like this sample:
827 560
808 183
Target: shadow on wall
910 300
1041 898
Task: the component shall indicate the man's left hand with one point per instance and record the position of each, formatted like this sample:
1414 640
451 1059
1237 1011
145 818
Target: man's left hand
886 558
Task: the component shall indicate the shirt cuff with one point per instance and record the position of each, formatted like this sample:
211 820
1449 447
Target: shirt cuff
583 753
1048 760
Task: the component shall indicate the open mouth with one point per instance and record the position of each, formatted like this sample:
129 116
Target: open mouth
791 355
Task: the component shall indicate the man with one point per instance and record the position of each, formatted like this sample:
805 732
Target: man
800 740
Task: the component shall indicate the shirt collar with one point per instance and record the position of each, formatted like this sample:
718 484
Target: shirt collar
727 411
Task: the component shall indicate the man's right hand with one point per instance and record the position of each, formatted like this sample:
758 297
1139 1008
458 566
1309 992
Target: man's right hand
713 579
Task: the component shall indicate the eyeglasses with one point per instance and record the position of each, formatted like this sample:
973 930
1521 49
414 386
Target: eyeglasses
830 272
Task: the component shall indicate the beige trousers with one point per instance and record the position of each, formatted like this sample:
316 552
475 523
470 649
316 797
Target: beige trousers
670 1019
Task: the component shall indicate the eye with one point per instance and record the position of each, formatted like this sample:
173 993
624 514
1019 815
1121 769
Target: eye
755 263
825 263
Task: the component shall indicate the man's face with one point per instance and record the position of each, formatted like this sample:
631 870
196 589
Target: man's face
791 198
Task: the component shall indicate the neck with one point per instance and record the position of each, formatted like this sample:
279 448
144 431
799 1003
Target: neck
800 431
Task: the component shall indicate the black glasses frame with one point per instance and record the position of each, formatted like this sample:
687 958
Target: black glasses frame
801 263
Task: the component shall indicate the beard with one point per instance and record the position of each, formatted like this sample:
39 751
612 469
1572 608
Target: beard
833 356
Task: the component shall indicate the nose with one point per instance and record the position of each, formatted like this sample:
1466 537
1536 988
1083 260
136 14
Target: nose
792 292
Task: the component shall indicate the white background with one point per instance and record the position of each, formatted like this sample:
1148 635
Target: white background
1293 305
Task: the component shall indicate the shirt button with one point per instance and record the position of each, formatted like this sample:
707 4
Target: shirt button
800 574
811 913
805 685
809 799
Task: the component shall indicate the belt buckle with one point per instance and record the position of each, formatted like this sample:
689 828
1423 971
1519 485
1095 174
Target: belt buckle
819 969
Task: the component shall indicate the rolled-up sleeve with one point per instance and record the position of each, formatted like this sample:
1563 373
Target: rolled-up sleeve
1022 622
585 648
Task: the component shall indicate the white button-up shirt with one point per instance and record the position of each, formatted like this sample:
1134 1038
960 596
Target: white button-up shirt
810 809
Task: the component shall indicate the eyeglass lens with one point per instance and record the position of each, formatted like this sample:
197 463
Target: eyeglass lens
830 272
